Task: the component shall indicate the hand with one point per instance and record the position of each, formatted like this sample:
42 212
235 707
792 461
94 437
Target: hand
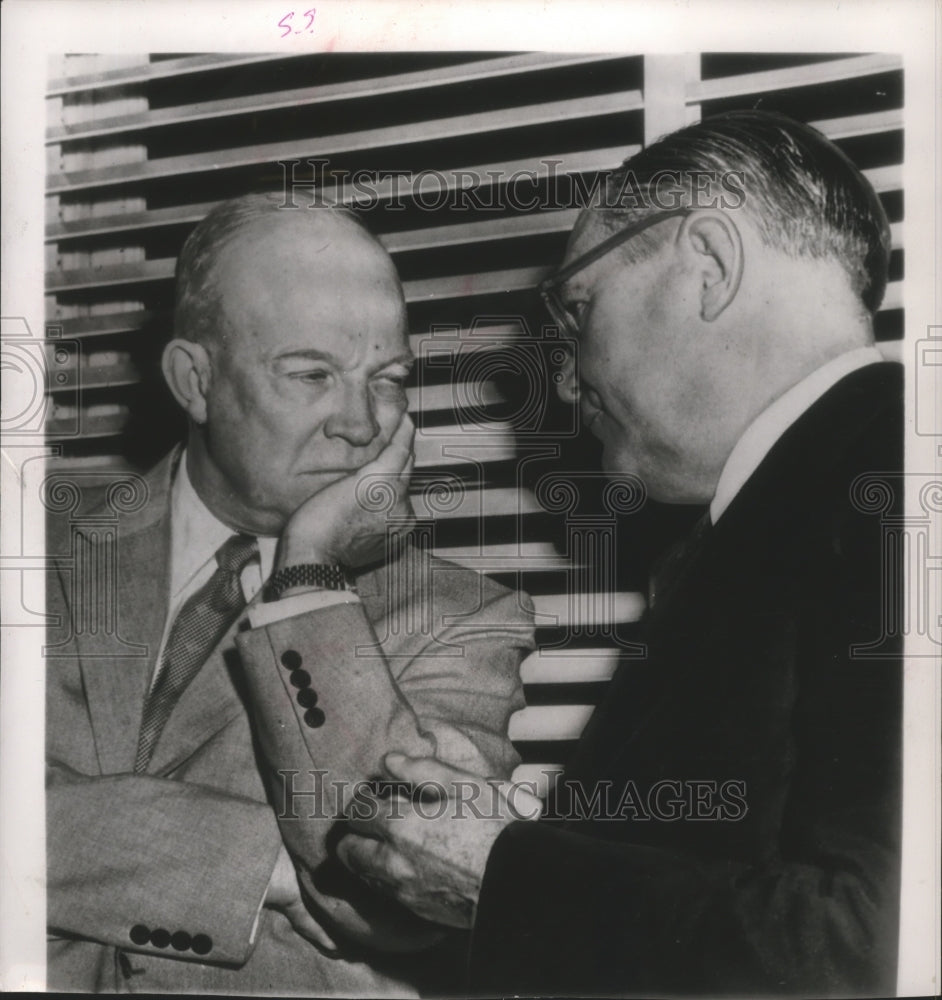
336 526
284 894
431 855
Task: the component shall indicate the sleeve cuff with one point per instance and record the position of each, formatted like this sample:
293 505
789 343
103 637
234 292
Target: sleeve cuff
262 614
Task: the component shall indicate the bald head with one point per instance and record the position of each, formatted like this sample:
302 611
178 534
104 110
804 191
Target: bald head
328 238
291 356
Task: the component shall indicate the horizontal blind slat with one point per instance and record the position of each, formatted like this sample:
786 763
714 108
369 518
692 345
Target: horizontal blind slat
830 71
550 722
482 69
489 174
572 665
159 70
459 126
854 125
590 608
421 290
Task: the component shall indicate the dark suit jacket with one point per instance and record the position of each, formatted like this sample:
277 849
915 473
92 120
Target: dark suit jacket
425 666
790 883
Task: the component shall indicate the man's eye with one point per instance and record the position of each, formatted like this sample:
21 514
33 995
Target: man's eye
396 380
315 376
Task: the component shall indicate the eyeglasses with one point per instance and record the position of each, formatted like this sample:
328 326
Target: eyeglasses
561 314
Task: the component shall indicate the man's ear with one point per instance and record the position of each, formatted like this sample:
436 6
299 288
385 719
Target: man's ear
186 367
716 241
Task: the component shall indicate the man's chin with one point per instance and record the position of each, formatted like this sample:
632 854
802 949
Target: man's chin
617 463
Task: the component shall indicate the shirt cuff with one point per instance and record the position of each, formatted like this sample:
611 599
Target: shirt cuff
298 604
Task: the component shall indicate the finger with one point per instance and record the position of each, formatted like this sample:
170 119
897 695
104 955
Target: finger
378 864
406 429
425 770
403 479
522 802
370 816
393 458
302 921
402 443
362 855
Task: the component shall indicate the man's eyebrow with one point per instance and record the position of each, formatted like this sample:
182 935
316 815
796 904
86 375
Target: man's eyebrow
313 354
402 359
306 354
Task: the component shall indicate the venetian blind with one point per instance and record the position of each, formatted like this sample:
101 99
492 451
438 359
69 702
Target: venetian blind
471 169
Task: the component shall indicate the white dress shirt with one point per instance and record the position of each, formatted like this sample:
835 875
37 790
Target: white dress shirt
775 419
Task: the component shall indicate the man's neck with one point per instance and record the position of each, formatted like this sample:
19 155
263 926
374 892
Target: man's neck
217 495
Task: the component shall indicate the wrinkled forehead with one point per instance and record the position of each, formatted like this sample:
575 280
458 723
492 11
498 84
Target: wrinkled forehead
296 280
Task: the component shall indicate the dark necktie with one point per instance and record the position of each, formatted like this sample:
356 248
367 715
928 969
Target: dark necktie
674 565
202 621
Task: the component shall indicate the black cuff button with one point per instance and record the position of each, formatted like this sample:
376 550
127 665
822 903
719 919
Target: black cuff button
181 941
202 944
314 718
307 697
140 934
160 938
300 678
291 659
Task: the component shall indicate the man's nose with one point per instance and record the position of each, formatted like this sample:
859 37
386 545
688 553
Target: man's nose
567 384
353 420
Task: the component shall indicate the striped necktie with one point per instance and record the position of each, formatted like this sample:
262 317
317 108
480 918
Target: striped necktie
200 624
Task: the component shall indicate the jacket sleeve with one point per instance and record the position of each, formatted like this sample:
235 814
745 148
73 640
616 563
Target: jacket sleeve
330 699
154 865
139 862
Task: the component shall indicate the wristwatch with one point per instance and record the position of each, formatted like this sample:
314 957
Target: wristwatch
326 576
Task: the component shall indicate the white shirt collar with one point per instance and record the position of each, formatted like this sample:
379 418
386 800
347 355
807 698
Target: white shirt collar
196 534
775 419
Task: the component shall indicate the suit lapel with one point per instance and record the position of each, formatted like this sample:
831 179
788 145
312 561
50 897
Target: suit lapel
210 701
114 684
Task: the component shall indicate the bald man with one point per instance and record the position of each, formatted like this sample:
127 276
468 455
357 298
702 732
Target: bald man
193 791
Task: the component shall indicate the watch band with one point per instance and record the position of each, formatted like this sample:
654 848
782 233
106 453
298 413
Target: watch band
323 575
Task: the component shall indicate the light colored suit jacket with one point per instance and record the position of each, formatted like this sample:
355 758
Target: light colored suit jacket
428 663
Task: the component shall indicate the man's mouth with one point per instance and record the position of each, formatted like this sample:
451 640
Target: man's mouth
329 472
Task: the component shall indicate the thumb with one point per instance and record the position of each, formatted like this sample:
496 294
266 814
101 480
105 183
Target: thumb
397 453
305 925
425 770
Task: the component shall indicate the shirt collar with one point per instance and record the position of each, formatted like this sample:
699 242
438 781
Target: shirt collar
775 419
196 534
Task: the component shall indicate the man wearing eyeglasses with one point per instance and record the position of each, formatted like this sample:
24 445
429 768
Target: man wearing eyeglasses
730 822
